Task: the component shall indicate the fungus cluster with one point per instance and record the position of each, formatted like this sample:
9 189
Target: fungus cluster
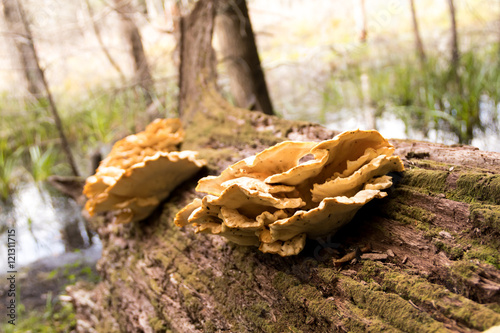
140 171
293 190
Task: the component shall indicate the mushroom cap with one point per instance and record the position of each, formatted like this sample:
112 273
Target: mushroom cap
140 171
275 199
237 196
161 135
155 177
277 159
336 186
237 236
327 218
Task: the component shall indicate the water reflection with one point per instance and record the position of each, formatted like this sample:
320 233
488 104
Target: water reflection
392 127
46 225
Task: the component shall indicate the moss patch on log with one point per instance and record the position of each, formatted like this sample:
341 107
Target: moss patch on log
485 217
421 291
478 186
399 211
390 307
306 296
468 187
430 181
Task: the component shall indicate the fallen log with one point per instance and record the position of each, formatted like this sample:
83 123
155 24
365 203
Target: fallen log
437 233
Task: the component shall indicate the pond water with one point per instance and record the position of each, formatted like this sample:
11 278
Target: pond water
46 225
392 127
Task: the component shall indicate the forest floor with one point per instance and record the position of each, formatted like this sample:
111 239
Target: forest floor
41 287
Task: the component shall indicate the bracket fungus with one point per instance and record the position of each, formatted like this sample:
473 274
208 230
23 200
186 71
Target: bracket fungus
277 198
140 171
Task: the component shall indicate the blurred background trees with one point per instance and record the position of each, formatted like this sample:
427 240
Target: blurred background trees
23 54
240 56
132 36
111 67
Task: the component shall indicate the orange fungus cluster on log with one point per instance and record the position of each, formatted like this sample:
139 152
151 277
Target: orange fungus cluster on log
277 198
140 171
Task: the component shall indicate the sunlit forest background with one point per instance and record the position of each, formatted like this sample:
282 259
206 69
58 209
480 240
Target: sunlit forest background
343 64
318 67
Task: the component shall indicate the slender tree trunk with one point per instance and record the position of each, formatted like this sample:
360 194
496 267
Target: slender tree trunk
239 51
36 71
455 54
103 47
368 105
416 32
368 109
364 23
25 57
197 58
131 33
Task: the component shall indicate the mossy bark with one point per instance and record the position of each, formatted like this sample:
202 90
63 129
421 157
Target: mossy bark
438 227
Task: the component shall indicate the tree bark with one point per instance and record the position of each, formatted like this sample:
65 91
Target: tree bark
37 75
103 47
433 266
416 31
131 33
455 53
25 57
240 55
363 36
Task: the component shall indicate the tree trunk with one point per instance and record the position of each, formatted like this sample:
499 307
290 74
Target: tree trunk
434 261
239 52
25 56
103 47
455 54
363 36
37 75
131 33
418 40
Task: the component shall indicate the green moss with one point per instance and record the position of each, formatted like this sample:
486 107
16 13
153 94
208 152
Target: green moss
389 307
479 186
463 269
157 324
494 307
430 231
209 327
306 296
421 291
368 323
434 165
54 318
258 313
215 157
165 261
240 256
191 302
433 181
155 287
485 216
407 214
235 128
328 275
453 252
470 187
484 253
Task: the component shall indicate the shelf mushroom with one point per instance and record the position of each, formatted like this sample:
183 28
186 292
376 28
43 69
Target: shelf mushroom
140 171
293 190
